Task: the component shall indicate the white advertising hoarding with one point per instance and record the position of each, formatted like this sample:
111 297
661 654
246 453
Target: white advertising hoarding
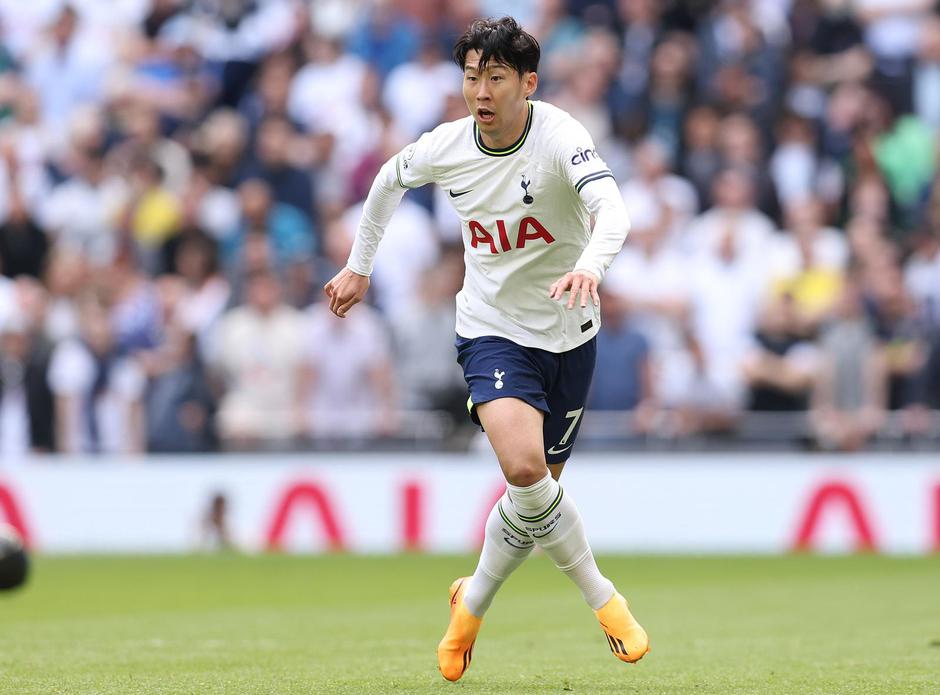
379 503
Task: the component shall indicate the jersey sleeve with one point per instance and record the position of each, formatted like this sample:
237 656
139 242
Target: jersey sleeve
594 184
410 168
414 165
577 157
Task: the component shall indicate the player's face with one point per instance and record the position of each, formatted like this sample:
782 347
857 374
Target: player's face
496 98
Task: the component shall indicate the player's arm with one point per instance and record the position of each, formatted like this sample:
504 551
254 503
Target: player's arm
349 285
408 169
603 200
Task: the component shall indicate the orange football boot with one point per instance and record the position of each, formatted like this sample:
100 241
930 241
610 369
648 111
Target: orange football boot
456 649
625 636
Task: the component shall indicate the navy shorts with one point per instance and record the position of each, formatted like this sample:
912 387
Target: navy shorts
555 383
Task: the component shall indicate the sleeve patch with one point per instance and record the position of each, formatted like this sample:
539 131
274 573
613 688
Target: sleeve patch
398 171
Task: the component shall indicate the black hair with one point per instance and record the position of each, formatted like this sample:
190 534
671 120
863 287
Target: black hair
500 40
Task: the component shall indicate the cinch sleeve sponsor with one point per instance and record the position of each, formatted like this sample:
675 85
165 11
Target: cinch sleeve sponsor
579 159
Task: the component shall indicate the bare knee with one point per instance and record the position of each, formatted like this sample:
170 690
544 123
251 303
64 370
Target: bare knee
524 471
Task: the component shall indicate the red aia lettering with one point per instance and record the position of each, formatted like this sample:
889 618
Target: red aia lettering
412 498
296 497
503 236
11 511
834 494
540 232
480 236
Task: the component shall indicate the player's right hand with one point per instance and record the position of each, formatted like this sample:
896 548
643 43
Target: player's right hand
345 290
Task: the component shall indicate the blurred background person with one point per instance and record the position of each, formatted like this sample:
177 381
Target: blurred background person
97 390
850 395
258 359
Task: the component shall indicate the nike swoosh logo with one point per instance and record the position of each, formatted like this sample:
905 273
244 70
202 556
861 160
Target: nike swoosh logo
457 195
559 451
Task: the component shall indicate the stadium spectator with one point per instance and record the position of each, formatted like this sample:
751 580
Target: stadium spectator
272 162
268 94
926 75
178 401
740 145
807 264
65 276
734 216
781 368
283 228
649 281
673 195
584 88
642 29
134 308
850 395
740 61
559 36
384 37
922 277
23 243
728 286
325 98
258 358
81 212
67 68
428 376
219 146
144 141
27 419
206 294
669 92
623 376
430 74
701 159
97 390
354 399
151 213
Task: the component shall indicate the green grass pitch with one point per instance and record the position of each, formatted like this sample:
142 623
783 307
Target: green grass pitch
280 625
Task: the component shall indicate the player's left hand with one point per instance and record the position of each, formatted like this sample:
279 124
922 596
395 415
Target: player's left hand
580 283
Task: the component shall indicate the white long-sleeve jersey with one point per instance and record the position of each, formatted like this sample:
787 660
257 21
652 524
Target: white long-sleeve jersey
525 214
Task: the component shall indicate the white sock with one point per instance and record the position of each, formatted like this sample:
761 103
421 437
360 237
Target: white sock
551 518
505 547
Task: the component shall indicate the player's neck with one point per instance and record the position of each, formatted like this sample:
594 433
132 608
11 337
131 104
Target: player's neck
510 134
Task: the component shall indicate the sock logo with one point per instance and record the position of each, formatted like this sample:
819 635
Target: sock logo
499 378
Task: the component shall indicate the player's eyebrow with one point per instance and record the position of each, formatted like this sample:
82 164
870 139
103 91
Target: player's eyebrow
491 66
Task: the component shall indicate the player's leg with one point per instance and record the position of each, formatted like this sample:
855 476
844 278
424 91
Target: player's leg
505 546
552 519
548 515
486 361
567 544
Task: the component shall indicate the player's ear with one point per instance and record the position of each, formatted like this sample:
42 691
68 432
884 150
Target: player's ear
530 81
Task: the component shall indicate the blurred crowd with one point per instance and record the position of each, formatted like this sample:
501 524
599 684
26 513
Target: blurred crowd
178 178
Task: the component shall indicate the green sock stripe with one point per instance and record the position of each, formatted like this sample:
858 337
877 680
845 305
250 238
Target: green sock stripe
543 515
499 506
